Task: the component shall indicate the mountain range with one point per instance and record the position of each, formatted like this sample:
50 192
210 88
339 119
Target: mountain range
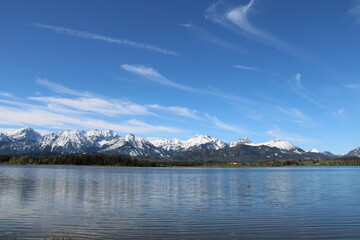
27 141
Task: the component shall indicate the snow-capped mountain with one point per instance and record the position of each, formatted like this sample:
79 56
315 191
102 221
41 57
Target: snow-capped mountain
131 145
26 133
278 143
355 152
27 141
282 145
173 145
326 153
66 142
314 150
200 141
245 141
329 154
21 140
101 136
197 142
4 138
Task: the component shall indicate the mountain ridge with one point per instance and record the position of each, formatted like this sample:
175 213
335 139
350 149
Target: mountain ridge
28 141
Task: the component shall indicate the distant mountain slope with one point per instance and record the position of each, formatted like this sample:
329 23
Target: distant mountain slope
201 147
355 152
244 153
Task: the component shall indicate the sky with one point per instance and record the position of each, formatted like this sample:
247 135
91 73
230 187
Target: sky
274 69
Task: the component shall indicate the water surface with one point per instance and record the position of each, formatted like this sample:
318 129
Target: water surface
180 203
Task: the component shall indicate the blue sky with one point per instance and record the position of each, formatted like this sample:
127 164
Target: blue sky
164 69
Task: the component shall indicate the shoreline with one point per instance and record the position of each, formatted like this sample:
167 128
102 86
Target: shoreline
125 161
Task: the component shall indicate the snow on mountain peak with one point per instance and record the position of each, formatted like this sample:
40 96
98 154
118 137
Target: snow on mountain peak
136 141
245 141
101 135
200 139
24 133
108 142
169 145
66 141
314 150
355 152
131 137
4 137
280 144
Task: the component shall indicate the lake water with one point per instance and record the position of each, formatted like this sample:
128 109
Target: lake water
180 203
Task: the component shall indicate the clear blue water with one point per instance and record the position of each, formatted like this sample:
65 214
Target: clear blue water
180 203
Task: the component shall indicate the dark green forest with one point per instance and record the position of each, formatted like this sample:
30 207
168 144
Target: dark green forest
104 160
91 160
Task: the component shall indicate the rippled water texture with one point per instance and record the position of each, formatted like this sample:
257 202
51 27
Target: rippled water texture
180 203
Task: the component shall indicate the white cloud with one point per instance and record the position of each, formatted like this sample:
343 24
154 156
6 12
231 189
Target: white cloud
81 34
154 76
88 103
94 105
247 68
207 36
226 126
40 116
231 97
239 17
84 110
236 19
339 113
255 69
60 89
298 116
355 11
5 94
298 79
292 137
298 88
181 111
353 86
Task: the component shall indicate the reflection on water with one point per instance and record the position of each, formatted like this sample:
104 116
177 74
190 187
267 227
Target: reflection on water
184 203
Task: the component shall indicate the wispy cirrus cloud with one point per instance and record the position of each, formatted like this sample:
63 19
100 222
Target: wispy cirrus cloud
95 105
236 19
181 111
79 109
355 11
247 68
293 137
339 113
209 37
87 103
297 87
296 114
254 69
6 94
93 36
42 117
231 97
155 76
226 126
60 89
353 86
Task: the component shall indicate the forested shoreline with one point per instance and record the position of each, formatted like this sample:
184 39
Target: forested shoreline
126 161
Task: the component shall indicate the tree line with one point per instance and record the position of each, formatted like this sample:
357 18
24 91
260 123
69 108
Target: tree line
91 160
110 160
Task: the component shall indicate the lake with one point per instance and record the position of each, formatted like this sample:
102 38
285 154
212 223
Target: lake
180 203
